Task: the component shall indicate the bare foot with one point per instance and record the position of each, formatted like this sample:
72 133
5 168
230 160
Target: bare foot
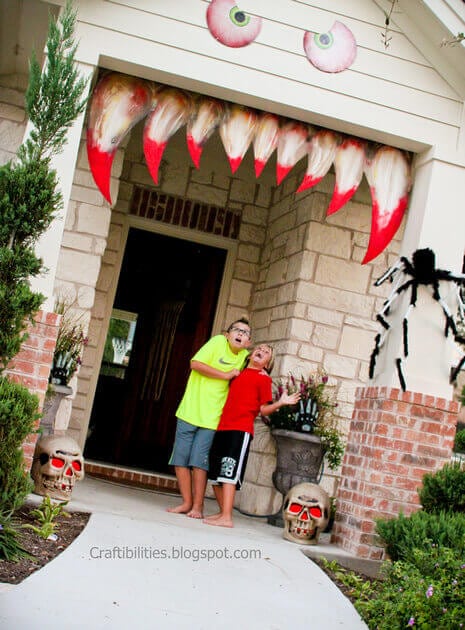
222 521
180 509
213 517
194 514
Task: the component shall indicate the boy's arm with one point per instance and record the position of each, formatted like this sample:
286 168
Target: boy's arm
286 399
208 370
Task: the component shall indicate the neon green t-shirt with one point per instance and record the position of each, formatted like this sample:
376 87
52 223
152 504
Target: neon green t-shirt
205 396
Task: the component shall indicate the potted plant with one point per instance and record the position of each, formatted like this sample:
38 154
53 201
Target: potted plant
306 434
71 341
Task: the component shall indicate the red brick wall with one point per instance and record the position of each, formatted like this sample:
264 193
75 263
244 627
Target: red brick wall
395 438
31 366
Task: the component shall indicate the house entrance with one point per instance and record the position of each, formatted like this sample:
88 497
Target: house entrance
163 312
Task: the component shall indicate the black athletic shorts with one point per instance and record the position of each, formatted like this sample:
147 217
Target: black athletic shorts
228 457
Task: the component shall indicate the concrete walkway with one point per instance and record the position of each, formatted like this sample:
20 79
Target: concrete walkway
137 566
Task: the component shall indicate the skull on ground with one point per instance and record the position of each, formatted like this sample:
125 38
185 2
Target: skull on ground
306 510
58 464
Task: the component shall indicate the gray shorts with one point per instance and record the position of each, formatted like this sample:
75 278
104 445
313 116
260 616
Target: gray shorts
191 446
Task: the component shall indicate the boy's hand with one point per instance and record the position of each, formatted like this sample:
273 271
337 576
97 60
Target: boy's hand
232 374
289 399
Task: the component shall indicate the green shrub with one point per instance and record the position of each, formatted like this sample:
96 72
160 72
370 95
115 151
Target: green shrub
444 490
10 541
459 442
18 413
403 535
427 593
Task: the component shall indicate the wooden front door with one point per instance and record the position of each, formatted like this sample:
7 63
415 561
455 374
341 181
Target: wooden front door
169 288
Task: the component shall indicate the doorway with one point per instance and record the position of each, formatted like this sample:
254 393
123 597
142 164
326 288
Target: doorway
163 312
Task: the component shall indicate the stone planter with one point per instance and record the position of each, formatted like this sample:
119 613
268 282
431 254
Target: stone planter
299 458
55 395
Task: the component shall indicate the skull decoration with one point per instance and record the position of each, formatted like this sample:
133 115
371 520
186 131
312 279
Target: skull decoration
58 464
306 511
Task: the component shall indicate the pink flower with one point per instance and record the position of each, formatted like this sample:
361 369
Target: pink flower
429 591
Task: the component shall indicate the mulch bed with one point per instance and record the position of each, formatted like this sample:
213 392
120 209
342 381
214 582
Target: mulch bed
43 551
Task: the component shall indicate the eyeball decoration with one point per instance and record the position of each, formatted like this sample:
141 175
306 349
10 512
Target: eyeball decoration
333 51
231 26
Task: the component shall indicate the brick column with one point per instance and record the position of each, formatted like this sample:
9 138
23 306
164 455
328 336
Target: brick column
31 366
395 438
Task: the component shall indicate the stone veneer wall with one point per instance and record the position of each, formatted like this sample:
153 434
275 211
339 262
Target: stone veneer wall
395 439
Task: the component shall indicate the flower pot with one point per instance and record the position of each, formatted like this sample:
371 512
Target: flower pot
51 404
299 458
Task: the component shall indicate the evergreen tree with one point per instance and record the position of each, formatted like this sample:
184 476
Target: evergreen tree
29 198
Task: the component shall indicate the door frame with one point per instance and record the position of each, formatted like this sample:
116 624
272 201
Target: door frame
174 231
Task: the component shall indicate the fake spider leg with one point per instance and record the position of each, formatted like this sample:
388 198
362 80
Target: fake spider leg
394 295
388 274
459 339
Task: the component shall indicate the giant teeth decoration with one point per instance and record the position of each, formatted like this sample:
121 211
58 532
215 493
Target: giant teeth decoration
292 146
206 118
170 114
120 101
236 133
388 175
265 140
349 163
321 153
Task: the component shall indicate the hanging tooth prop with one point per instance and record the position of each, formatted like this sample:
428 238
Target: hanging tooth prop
349 163
388 174
118 103
321 154
292 146
206 117
236 132
265 140
170 114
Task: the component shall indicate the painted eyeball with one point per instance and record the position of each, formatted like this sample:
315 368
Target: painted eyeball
333 51
231 26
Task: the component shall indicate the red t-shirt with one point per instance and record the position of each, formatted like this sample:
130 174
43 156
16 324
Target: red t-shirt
247 393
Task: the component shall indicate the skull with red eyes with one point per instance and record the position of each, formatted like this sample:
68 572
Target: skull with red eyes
58 464
306 513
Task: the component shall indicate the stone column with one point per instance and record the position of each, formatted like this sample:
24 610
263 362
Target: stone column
397 437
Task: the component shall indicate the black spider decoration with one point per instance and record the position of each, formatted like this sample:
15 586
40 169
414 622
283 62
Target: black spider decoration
422 271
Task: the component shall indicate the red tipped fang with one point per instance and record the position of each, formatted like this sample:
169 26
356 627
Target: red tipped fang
234 163
339 199
100 163
259 166
281 172
195 150
153 152
382 230
308 182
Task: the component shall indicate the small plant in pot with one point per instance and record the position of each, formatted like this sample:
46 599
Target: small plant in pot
71 341
314 414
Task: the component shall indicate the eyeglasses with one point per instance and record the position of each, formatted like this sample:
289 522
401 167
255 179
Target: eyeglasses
242 331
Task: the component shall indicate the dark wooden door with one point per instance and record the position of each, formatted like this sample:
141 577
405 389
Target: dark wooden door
172 286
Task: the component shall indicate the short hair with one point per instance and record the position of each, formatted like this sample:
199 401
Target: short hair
270 365
241 320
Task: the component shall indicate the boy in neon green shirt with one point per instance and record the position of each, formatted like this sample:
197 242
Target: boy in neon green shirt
212 368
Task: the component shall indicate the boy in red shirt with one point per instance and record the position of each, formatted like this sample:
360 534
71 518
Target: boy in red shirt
250 394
